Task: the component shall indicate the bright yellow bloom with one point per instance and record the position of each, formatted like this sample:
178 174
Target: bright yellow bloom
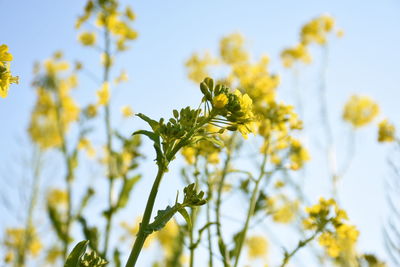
127 111
220 101
317 29
298 154
360 110
87 38
6 77
103 94
257 247
232 50
189 154
295 54
246 107
386 132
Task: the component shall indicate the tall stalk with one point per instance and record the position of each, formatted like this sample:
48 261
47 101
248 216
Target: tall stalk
107 122
252 206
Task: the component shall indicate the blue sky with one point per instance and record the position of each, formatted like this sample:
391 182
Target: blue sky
366 61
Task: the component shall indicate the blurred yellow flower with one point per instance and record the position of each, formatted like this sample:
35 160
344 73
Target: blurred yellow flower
360 110
87 38
257 247
103 94
127 111
386 132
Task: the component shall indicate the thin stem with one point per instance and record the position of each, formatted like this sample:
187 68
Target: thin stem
107 121
251 209
299 246
219 195
32 204
208 214
142 234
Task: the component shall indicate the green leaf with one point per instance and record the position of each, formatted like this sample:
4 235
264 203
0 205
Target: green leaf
126 190
186 216
56 222
153 124
149 134
76 254
90 233
162 218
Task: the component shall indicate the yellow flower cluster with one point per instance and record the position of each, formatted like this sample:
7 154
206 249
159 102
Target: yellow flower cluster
198 66
360 110
6 77
257 247
109 16
342 237
16 240
342 240
297 53
256 80
315 31
87 38
282 209
232 49
55 109
386 132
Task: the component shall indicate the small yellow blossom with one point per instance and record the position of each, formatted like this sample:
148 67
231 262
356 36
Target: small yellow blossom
298 53
103 94
220 101
232 50
360 110
87 38
127 111
6 77
57 197
85 144
386 132
257 247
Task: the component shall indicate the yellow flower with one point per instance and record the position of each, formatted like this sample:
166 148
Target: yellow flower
231 49
257 247
127 111
295 54
87 38
132 231
129 13
360 110
386 132
15 239
197 66
220 101
123 77
103 94
167 235
189 154
57 197
6 77
4 54
85 144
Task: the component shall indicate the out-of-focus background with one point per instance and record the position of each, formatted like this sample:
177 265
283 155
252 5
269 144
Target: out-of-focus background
364 61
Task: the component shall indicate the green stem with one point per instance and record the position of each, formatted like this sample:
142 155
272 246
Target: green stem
251 209
32 204
299 246
208 214
107 121
142 234
219 197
